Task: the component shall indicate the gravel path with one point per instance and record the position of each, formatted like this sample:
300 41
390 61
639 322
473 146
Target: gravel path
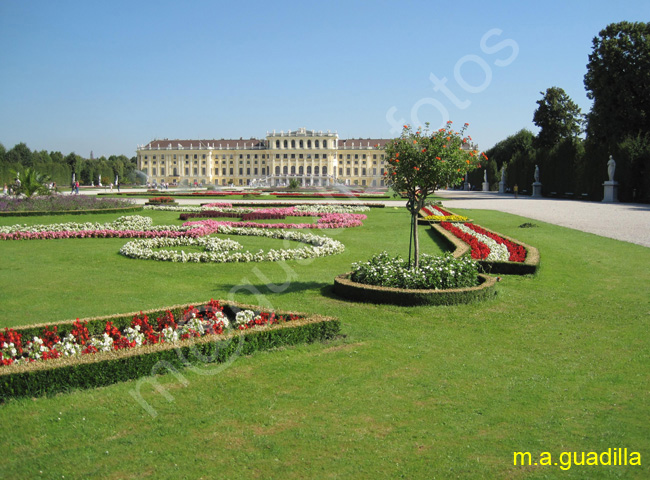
629 222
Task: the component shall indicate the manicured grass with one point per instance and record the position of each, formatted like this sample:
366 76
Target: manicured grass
557 362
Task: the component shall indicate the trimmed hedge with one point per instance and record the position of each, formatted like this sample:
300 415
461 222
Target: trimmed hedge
105 368
134 208
359 292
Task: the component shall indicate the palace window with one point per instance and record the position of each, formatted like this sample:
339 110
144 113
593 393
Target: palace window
293 144
316 143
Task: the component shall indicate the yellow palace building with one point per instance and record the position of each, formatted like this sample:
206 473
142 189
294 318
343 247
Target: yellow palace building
313 158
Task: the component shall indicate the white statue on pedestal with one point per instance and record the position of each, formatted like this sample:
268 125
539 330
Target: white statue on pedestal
611 168
536 173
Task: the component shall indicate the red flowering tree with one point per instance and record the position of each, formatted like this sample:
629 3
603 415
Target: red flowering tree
419 162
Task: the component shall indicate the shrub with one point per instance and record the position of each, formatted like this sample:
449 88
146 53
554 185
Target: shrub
443 272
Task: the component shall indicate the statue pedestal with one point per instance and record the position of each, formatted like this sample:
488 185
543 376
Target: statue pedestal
502 187
486 187
537 190
611 192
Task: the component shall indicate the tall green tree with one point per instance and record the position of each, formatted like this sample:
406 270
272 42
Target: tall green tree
558 118
420 162
20 154
618 82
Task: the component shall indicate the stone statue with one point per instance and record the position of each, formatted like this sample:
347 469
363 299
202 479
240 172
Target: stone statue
611 168
503 173
537 173
485 176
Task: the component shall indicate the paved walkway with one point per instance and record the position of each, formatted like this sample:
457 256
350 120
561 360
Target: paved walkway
628 222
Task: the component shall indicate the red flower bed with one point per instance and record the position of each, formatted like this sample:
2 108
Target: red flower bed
479 249
195 322
517 252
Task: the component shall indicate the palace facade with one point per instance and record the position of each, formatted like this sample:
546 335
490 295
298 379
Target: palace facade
313 158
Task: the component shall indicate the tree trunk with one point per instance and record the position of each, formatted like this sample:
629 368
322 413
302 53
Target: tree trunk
416 243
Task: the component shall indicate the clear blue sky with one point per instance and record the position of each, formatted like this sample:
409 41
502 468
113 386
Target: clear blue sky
109 75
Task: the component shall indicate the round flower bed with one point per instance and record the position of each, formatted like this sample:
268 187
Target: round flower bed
360 292
440 280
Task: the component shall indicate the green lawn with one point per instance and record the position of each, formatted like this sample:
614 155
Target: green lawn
557 362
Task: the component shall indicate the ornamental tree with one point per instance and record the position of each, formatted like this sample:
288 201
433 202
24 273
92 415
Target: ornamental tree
420 162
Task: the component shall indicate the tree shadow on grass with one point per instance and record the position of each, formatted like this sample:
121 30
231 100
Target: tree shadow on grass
275 289
440 242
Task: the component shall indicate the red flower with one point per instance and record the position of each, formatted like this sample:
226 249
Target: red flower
438 158
424 150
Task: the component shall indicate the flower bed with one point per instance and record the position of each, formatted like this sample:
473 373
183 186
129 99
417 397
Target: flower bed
105 350
474 241
360 292
433 213
132 226
220 251
325 220
433 273
331 195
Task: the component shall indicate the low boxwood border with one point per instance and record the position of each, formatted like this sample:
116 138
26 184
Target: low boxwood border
134 208
360 292
105 368
529 266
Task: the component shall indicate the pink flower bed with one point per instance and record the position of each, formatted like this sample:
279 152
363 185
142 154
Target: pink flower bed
326 220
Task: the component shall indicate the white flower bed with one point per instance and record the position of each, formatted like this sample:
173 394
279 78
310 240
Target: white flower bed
498 251
331 208
221 251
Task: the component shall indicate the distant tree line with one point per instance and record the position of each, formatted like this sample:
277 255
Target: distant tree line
60 168
618 82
